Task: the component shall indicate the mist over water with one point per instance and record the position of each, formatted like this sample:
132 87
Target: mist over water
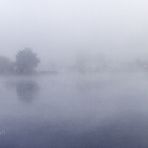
74 110
73 74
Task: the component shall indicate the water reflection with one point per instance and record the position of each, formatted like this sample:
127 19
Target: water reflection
27 90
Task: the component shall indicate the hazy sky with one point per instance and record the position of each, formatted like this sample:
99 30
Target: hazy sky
61 28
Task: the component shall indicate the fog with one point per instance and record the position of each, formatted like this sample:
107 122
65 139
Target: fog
58 30
73 74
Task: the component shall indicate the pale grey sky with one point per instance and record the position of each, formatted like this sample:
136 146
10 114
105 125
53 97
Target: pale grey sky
61 28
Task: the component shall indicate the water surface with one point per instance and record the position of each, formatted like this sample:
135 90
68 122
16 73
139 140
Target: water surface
74 111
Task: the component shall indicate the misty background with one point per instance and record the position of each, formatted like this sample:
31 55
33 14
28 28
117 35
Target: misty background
73 74
59 30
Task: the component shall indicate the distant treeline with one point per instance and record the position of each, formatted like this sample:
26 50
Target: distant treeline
26 62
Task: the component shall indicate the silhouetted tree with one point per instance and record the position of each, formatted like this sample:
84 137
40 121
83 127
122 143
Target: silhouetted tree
6 65
26 61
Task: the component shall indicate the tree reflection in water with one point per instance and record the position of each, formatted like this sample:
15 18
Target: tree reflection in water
27 90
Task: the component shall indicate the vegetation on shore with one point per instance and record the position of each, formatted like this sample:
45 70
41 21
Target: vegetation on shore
26 63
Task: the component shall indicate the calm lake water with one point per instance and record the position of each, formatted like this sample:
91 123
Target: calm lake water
74 111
